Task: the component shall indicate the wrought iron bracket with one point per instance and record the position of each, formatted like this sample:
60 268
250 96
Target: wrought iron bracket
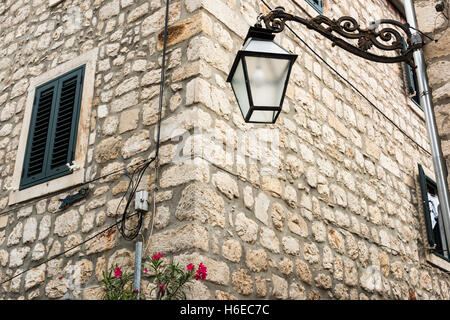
386 39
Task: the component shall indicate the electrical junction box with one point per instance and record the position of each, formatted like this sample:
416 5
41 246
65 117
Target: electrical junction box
141 201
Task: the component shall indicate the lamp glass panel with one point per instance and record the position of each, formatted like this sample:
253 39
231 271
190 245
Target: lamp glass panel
240 89
267 77
264 46
262 116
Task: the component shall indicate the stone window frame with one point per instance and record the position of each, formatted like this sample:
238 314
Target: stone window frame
430 257
89 59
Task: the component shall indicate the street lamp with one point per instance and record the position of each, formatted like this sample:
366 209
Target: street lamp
260 73
259 76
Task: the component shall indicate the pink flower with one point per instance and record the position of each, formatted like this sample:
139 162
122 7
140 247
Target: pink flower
145 270
189 267
136 291
161 287
117 272
201 272
158 256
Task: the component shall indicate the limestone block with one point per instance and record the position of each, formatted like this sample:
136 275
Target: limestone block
137 143
155 22
67 223
303 272
174 240
109 10
17 256
201 203
108 149
29 230
256 260
103 242
126 86
246 228
138 12
262 203
242 282
185 29
232 250
269 240
34 277
196 169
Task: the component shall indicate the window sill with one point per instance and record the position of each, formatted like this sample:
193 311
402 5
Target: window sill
45 188
417 109
438 261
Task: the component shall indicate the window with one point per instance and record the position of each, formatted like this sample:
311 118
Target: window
411 81
316 4
436 236
53 129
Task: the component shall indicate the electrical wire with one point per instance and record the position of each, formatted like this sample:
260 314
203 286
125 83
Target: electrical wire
351 85
131 234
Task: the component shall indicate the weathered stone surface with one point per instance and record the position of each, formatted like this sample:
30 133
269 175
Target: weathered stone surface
190 170
34 277
232 250
303 272
242 282
226 184
15 235
103 242
17 256
290 246
126 101
184 29
280 287
155 22
262 203
108 149
29 230
256 260
174 240
297 224
56 288
67 223
109 10
246 228
129 120
201 203
269 240
138 143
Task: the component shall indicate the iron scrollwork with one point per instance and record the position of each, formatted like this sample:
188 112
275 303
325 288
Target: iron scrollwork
386 39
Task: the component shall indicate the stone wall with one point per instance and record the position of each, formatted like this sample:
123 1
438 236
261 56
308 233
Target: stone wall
437 57
321 205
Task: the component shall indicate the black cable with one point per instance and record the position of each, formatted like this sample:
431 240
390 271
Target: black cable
161 86
135 231
353 86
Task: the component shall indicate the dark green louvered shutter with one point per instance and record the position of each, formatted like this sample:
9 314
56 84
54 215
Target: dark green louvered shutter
424 181
316 4
409 74
53 129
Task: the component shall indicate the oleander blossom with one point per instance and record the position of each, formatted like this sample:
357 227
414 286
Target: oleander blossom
158 256
201 272
190 266
117 272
